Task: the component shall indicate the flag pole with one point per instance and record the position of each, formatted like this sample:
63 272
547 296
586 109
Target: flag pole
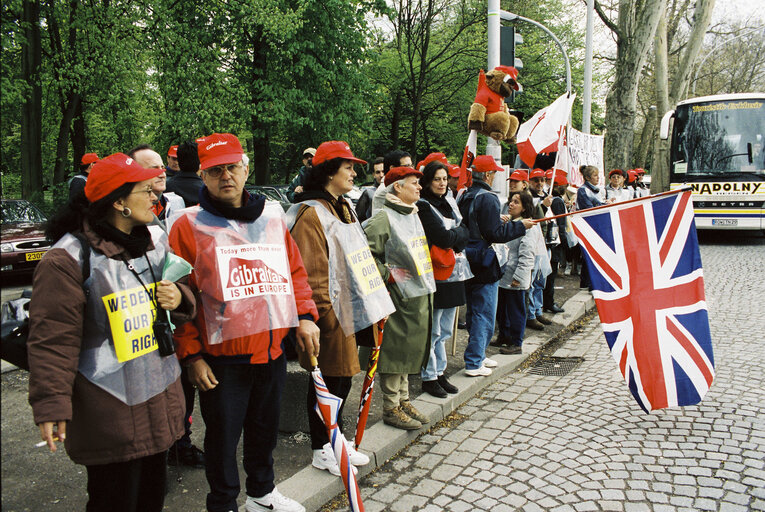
621 203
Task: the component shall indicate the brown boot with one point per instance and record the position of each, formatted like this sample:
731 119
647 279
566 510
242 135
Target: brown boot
544 320
399 419
413 413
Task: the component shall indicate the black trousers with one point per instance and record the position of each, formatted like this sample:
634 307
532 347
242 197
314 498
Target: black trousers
548 293
338 386
247 398
511 315
133 486
189 392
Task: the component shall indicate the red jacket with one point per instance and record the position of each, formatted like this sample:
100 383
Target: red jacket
191 337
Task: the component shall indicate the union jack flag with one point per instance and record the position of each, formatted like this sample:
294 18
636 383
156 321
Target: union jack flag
648 285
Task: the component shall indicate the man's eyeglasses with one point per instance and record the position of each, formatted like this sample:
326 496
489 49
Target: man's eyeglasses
217 171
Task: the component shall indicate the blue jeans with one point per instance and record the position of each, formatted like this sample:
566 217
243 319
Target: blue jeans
443 326
247 398
535 295
482 306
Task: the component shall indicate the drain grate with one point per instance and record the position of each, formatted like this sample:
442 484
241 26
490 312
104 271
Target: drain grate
552 366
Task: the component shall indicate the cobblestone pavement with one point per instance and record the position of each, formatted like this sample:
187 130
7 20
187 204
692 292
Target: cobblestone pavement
579 442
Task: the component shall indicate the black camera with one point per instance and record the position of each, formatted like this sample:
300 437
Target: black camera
163 333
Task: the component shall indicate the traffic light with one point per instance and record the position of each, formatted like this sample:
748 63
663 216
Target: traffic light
508 40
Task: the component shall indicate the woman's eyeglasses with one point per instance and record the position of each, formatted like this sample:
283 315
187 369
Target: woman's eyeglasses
148 191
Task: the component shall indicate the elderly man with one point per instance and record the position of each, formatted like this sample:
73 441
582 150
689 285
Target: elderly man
253 289
167 203
480 208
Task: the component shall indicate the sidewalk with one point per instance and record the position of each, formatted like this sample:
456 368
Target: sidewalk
313 488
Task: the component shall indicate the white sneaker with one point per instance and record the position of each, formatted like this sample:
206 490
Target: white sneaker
478 372
357 458
325 459
272 502
490 363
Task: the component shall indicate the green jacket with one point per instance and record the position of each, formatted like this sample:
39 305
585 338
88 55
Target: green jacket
406 339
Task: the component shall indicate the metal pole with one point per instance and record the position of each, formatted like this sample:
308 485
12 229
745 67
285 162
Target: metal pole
508 16
493 147
587 96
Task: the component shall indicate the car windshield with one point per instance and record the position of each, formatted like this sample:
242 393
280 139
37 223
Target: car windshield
20 211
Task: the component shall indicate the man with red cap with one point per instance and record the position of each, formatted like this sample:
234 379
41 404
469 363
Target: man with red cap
77 183
253 289
167 203
454 178
558 184
172 161
480 207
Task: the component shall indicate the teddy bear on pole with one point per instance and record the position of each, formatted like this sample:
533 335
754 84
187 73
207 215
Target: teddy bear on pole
489 114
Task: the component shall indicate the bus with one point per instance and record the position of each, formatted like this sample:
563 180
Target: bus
716 148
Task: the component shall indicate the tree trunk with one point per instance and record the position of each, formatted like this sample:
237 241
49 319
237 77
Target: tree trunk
635 30
31 115
660 164
62 143
79 142
395 125
261 131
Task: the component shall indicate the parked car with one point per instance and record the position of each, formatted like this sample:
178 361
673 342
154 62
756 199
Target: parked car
23 237
271 192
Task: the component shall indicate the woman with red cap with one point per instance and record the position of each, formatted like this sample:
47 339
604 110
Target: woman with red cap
95 337
400 248
447 237
350 297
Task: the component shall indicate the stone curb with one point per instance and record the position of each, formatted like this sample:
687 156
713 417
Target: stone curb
313 488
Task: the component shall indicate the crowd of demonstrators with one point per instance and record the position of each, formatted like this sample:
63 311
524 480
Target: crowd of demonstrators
399 246
187 183
447 237
77 182
88 385
409 252
480 208
297 183
233 347
349 298
364 204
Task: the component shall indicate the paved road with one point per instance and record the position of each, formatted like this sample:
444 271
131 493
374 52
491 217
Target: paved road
579 442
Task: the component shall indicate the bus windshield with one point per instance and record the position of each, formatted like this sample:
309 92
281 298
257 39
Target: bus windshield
720 139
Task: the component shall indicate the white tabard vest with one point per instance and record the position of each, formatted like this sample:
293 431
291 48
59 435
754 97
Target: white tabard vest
356 289
119 353
461 270
243 273
407 250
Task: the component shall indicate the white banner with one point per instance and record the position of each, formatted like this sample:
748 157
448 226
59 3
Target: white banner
583 149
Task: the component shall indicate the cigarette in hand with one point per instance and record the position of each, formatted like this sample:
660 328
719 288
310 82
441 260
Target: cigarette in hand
45 443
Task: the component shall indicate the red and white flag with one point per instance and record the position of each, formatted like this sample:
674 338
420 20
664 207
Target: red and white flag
541 133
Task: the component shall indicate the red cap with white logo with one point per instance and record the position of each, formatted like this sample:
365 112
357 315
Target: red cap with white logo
219 149
110 173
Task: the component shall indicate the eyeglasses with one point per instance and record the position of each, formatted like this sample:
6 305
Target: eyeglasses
217 171
148 191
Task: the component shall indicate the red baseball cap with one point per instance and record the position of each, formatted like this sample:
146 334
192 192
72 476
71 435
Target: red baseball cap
110 173
509 70
632 175
335 149
399 173
560 178
536 173
431 158
218 149
519 175
89 158
640 170
454 170
614 171
173 151
486 163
